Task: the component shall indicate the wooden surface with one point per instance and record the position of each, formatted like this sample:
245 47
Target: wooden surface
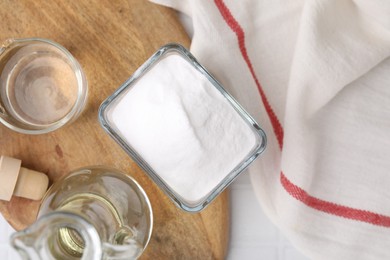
110 39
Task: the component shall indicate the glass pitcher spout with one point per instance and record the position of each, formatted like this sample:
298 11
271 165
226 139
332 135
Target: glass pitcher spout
94 213
58 235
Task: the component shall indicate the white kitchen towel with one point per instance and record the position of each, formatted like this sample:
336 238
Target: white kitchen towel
316 75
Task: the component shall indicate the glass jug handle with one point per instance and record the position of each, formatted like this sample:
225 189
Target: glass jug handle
126 245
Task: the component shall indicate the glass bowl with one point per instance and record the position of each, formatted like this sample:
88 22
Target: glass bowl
42 86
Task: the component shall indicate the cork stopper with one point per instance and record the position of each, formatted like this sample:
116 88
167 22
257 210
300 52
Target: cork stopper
19 181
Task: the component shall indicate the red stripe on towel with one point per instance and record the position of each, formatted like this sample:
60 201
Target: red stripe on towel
292 189
233 24
333 208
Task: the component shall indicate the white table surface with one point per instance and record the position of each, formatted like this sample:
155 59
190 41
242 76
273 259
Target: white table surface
253 236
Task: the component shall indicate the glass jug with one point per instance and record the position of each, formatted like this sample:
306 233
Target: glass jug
93 213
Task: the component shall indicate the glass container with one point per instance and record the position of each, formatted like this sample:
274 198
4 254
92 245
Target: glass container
42 86
93 213
107 122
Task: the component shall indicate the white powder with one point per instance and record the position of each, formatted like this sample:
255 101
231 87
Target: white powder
183 127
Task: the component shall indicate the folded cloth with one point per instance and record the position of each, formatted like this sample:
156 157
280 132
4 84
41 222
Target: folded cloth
316 75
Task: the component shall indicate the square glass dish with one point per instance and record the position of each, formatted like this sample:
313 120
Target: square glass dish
181 126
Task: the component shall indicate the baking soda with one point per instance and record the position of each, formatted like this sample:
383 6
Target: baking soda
183 127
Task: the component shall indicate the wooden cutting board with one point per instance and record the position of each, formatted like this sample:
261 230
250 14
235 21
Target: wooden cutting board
110 39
